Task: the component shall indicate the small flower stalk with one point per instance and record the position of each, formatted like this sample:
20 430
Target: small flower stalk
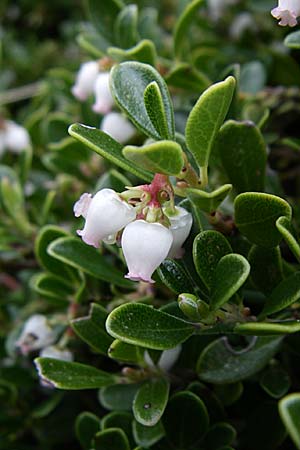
287 12
143 219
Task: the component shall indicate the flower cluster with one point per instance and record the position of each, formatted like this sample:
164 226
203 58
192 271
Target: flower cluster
13 137
287 12
143 219
92 80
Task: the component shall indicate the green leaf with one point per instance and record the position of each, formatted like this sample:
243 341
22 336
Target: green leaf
285 228
52 287
292 40
125 27
143 325
256 214
76 253
106 147
231 273
182 24
243 154
45 236
184 76
155 109
218 435
229 393
275 381
284 295
150 401
159 157
103 15
72 375
125 352
175 277
128 82
268 328
92 43
118 396
220 364
147 436
91 329
208 201
86 426
208 248
289 410
111 439
121 420
253 77
270 259
206 118
185 420
144 52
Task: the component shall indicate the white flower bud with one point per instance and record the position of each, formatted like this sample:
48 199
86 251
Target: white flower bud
54 352
287 12
181 224
36 334
145 245
16 137
118 127
103 98
105 214
85 80
168 358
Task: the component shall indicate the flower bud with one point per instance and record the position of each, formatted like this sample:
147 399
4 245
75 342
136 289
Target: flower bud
181 224
85 80
118 127
16 137
168 358
105 215
194 308
287 12
103 98
35 335
145 245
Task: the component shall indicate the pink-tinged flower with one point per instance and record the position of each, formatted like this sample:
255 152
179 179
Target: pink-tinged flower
287 12
103 98
85 80
181 224
118 127
16 137
145 245
36 334
105 214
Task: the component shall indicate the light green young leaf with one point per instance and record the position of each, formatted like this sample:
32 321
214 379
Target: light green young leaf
144 52
208 201
268 328
155 109
206 118
150 401
159 157
292 40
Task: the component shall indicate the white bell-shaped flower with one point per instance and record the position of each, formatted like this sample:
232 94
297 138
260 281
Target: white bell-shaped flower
105 214
52 351
36 334
287 12
118 127
16 137
103 98
145 245
85 80
181 224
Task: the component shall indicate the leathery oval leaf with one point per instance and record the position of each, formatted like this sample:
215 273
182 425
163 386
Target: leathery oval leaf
150 401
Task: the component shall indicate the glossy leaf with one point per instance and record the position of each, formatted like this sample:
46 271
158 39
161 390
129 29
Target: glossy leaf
185 420
208 248
111 439
253 77
256 214
86 426
103 15
289 410
268 328
292 40
208 201
72 375
143 325
52 287
118 396
159 157
285 228
129 81
144 52
270 259
91 329
75 253
125 27
175 277
182 24
121 351
219 434
231 273
284 295
275 381
206 118
243 154
150 401
147 436
121 420
220 364
106 147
